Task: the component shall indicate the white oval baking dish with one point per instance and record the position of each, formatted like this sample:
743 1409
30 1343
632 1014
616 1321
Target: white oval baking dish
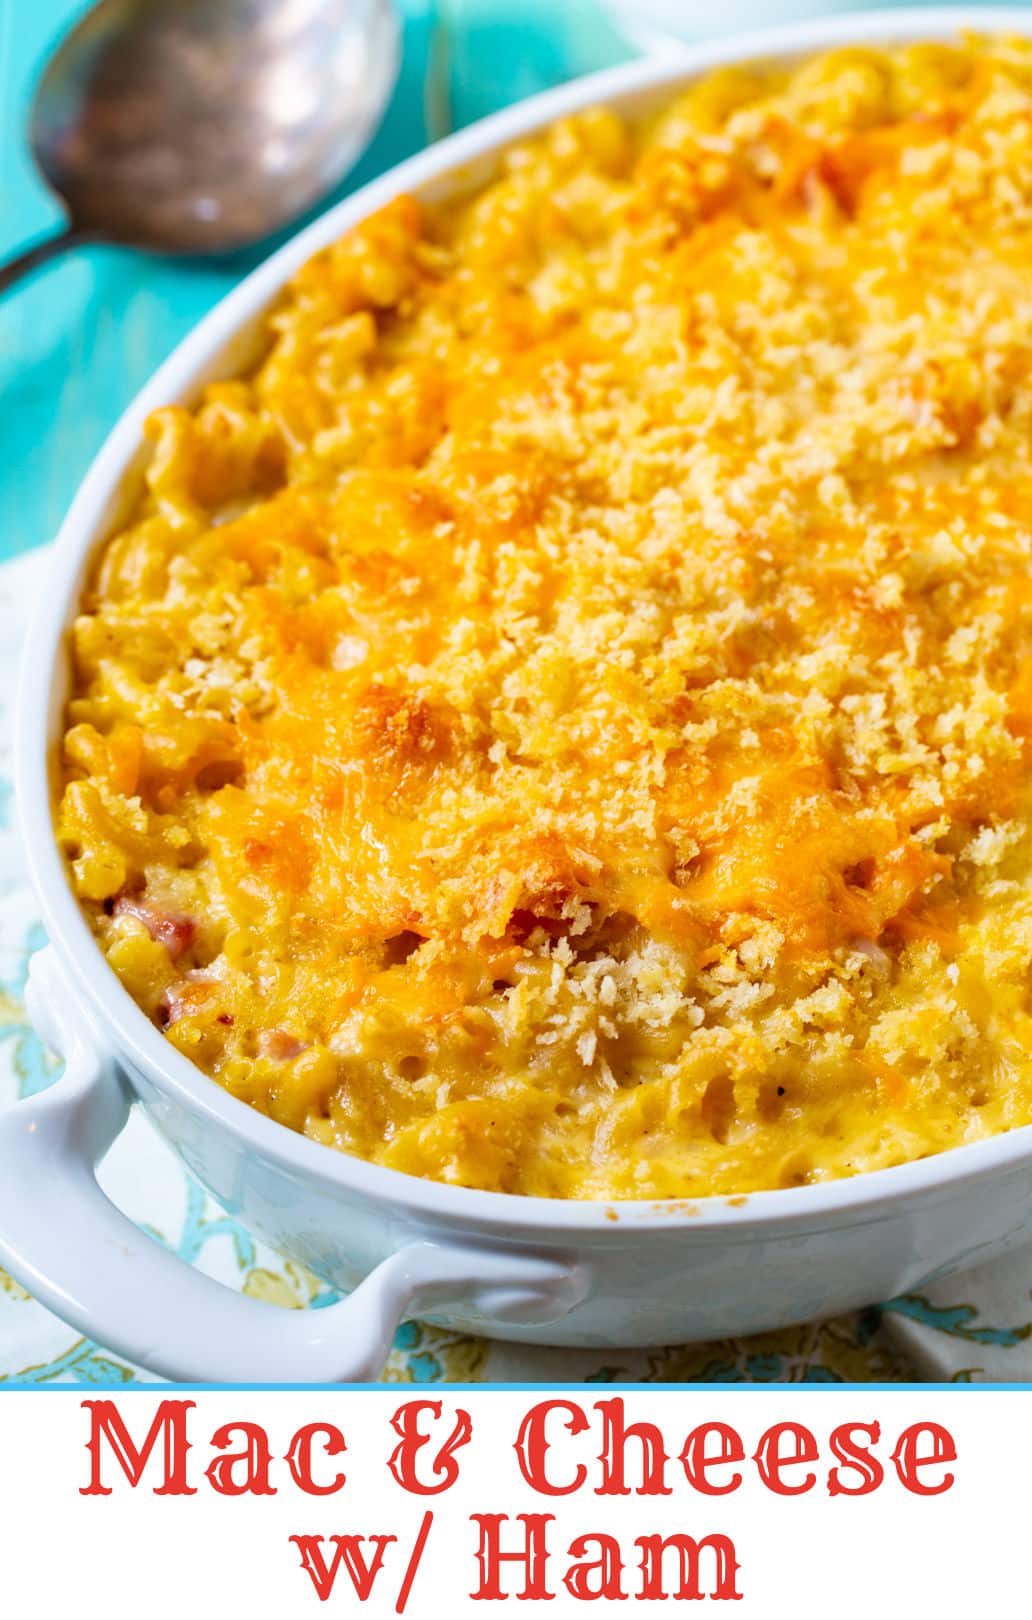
520 1268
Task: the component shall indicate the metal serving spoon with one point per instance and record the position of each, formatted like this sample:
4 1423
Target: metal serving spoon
202 126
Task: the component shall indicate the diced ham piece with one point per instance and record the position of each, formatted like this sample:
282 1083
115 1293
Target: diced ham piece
880 960
278 1045
175 933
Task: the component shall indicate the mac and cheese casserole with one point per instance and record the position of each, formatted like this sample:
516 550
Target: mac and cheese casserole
561 724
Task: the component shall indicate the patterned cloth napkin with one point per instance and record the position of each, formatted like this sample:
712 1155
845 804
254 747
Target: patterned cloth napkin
972 1327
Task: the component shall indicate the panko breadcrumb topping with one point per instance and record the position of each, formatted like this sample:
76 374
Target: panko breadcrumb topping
561 725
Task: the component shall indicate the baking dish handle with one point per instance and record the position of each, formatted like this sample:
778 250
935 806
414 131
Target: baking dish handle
67 1243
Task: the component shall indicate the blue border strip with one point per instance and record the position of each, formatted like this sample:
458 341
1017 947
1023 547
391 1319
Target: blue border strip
432 1391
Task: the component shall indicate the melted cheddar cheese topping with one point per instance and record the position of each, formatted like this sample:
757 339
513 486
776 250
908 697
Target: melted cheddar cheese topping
561 724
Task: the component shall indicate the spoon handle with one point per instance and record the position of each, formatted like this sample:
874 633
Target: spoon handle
30 258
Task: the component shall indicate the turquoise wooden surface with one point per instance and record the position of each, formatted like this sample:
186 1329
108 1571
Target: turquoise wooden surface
79 340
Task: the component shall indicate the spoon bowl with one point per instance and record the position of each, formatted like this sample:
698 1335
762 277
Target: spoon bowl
204 126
